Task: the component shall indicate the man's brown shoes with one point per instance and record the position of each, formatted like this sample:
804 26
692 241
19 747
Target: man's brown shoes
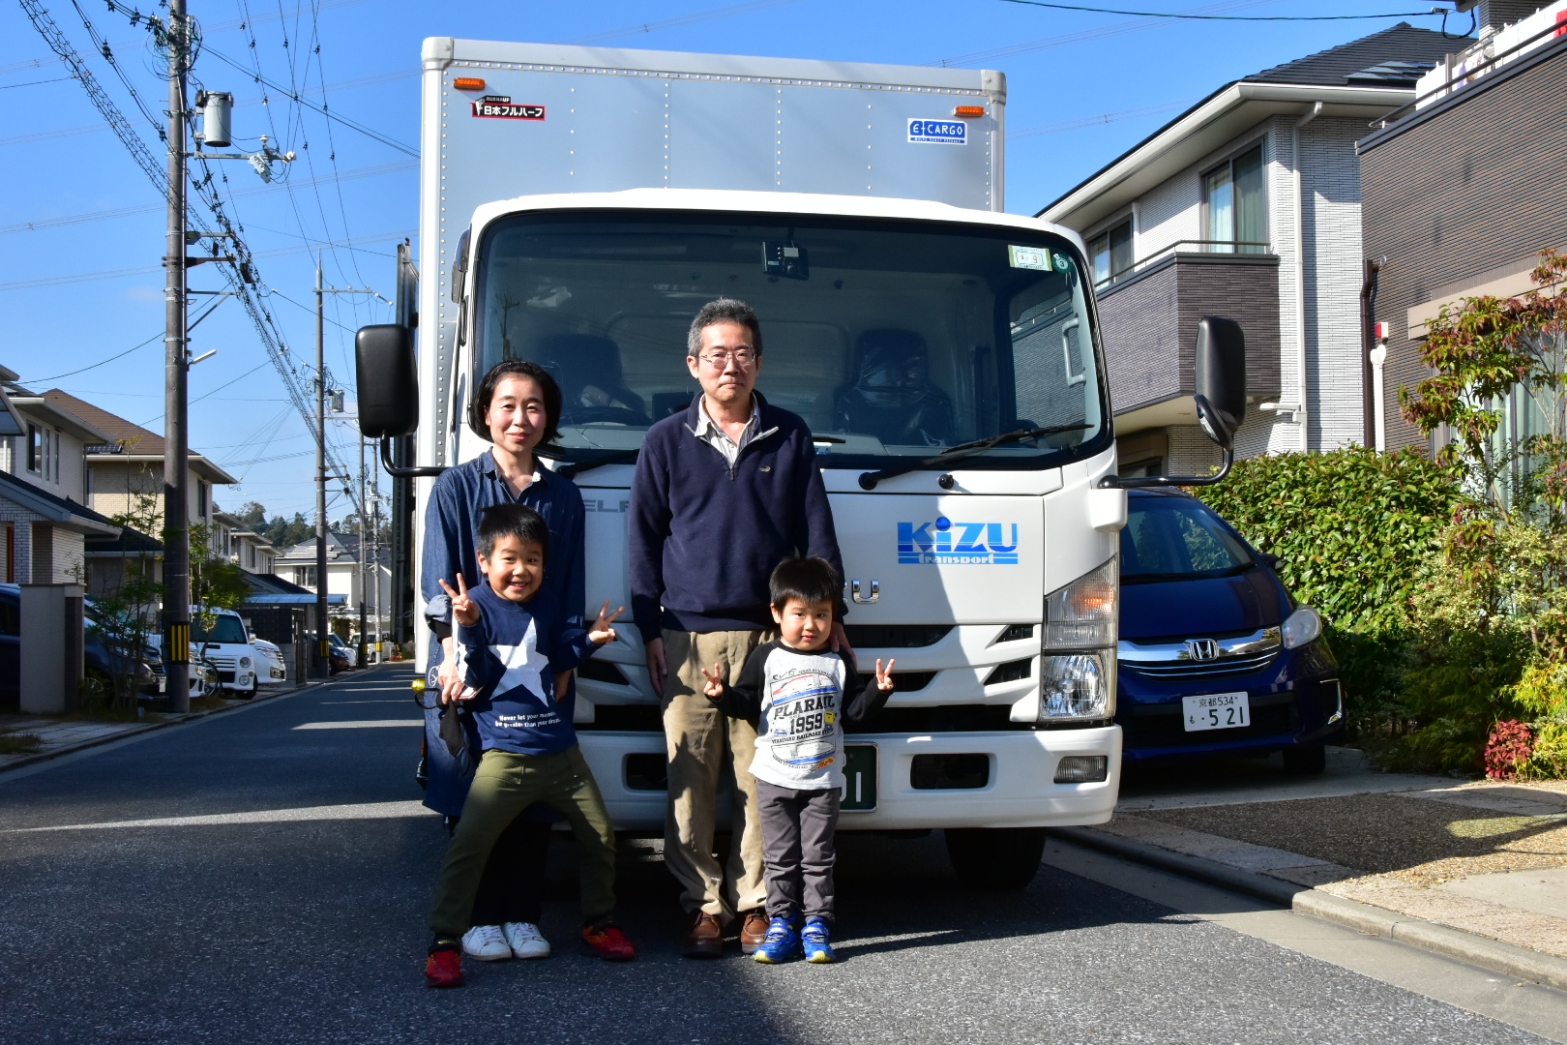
705 938
753 930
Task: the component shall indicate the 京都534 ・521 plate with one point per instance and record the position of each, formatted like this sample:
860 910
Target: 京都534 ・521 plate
1216 711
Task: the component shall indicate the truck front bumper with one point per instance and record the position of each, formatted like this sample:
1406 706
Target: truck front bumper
1020 790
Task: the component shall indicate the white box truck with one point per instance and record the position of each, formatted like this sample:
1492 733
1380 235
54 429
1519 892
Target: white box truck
579 205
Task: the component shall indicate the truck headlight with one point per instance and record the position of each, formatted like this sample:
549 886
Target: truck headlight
1078 685
1301 627
1083 614
244 662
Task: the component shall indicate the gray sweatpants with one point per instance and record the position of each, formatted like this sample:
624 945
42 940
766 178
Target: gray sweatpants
797 850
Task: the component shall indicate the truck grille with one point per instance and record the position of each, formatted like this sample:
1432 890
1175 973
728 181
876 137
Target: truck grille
895 636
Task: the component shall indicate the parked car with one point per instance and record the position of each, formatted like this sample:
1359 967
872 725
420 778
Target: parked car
339 657
104 658
228 645
1215 656
270 669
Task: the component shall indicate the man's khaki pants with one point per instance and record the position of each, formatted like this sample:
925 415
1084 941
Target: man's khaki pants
699 739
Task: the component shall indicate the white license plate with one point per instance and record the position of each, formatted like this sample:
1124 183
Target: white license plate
1216 711
163 683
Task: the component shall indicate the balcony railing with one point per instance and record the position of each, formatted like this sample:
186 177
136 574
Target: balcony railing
1460 74
1188 246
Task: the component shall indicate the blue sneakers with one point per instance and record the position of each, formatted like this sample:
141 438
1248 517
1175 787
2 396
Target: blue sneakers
818 948
780 944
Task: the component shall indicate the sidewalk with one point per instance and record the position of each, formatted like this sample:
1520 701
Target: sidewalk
1474 870
26 739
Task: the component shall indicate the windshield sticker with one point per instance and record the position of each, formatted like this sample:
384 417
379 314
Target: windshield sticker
1030 258
941 132
948 543
501 107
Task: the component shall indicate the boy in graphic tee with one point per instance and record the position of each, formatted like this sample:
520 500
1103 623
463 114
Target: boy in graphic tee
799 693
511 642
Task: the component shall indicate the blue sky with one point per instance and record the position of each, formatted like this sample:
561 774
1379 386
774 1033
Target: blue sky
81 229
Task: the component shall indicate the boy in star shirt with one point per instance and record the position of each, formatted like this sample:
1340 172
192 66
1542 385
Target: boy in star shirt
511 642
799 693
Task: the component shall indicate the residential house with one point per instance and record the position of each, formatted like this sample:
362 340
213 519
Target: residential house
125 469
1464 188
42 489
1247 205
345 575
233 541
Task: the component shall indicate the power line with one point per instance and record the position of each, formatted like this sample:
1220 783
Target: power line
95 366
33 83
1095 121
680 22
1433 12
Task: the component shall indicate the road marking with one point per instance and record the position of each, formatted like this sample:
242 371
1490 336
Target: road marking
359 811
1528 1006
370 723
389 700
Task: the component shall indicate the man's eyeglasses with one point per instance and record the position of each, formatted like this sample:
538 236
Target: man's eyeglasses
743 357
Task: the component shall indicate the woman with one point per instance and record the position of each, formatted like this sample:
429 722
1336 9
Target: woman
516 407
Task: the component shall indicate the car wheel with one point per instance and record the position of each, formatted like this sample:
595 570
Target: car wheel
1305 761
996 859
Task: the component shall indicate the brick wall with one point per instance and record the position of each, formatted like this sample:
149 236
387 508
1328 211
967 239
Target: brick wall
1468 186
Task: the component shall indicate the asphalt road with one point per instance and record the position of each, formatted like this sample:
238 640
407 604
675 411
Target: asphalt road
262 876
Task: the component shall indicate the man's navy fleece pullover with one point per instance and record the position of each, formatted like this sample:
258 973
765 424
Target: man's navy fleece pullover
705 537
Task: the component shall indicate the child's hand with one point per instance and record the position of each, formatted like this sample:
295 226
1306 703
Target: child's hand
715 682
464 610
884 678
601 632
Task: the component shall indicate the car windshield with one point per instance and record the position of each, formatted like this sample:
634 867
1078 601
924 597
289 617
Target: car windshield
1171 538
889 338
224 629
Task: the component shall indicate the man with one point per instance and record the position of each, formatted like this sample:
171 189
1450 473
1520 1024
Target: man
724 491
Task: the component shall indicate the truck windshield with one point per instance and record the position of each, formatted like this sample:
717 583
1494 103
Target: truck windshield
889 338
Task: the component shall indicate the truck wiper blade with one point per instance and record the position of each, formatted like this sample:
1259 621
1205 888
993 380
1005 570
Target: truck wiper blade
868 480
599 458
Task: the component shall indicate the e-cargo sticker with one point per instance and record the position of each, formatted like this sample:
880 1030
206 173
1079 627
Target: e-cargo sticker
501 107
1030 257
940 132
946 542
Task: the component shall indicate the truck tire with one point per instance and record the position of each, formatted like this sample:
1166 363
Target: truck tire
1305 761
996 859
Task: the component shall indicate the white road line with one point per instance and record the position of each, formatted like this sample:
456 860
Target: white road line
360 811
373 723
1528 1006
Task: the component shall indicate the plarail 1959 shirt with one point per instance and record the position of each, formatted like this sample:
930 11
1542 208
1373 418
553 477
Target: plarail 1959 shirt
800 700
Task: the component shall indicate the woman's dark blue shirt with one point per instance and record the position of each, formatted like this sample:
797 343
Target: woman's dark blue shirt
450 547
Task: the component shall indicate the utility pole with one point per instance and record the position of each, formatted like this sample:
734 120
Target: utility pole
176 450
363 503
322 667
323 663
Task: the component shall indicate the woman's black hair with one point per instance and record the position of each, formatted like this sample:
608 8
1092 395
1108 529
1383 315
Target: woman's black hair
511 520
479 404
810 580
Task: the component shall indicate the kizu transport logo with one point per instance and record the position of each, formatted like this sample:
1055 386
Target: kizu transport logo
948 543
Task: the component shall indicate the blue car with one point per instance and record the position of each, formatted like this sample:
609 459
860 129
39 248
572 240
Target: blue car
1215 658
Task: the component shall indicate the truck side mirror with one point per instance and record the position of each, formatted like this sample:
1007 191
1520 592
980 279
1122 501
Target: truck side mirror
1220 378
388 375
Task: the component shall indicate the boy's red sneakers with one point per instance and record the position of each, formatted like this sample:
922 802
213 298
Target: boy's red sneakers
443 968
608 942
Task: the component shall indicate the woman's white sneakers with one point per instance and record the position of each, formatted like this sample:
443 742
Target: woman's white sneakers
486 943
525 940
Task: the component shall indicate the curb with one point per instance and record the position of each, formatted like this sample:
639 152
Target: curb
1512 960
192 716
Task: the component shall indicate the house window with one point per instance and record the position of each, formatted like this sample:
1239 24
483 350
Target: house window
201 498
305 576
1235 201
1111 252
35 449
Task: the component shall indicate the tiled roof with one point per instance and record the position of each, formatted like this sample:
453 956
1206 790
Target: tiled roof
1387 59
136 438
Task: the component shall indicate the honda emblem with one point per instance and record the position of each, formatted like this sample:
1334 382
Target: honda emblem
1202 649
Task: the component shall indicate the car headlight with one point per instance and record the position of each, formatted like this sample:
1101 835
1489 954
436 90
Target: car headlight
1078 685
1301 627
244 662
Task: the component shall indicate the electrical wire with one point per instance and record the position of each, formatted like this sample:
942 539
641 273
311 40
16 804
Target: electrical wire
118 355
1431 13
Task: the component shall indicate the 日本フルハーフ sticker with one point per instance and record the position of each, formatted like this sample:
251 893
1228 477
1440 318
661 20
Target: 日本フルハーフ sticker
1029 257
501 107
939 132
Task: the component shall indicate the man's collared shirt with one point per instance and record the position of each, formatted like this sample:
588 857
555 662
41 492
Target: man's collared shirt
710 432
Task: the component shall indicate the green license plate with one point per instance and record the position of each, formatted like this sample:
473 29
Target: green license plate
859 775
